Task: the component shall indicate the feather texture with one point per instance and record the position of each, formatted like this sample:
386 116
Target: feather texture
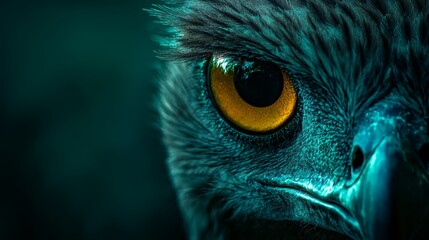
345 58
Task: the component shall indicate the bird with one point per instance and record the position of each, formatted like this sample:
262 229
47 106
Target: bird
297 119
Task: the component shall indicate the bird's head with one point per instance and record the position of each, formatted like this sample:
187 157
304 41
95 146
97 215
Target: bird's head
298 119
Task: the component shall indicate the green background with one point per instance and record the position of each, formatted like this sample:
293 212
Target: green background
81 157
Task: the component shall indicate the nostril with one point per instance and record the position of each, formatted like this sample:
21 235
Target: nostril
357 159
424 154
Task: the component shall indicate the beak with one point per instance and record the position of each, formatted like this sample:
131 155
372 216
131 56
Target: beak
389 192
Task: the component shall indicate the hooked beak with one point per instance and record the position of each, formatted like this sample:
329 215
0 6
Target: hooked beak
389 194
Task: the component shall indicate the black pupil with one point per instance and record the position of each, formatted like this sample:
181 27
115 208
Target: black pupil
260 84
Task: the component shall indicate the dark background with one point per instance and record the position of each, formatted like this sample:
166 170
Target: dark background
81 157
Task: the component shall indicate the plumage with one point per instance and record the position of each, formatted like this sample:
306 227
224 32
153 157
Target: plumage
355 64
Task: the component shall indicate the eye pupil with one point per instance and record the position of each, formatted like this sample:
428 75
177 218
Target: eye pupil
259 84
255 97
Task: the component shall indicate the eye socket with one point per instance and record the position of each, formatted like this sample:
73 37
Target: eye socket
254 96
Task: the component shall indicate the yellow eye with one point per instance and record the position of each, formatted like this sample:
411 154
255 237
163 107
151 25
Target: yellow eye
254 96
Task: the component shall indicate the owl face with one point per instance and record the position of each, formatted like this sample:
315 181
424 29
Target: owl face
298 119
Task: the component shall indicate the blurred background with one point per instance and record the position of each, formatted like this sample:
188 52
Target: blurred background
80 154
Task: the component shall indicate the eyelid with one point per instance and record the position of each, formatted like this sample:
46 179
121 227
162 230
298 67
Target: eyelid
225 61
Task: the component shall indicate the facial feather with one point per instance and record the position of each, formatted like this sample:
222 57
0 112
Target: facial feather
345 57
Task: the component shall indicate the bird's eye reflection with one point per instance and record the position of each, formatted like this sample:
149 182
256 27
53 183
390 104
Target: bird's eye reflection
255 97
